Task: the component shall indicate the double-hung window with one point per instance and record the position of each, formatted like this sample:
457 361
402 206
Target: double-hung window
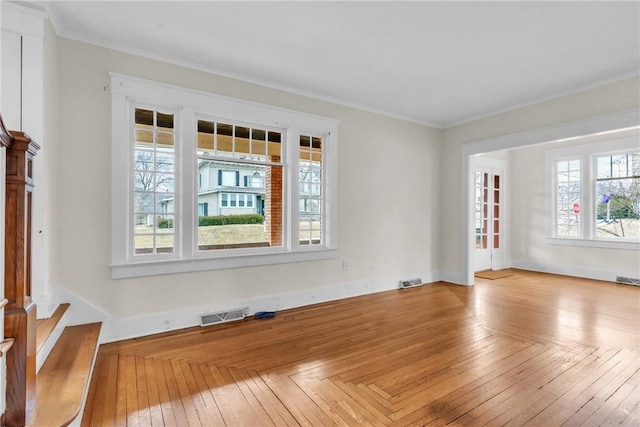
595 193
181 158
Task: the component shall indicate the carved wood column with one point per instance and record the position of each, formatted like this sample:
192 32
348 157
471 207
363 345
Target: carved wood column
20 312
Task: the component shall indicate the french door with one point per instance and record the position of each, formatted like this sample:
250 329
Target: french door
488 217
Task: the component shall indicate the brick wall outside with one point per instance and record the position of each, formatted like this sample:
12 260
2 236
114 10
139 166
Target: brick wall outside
273 203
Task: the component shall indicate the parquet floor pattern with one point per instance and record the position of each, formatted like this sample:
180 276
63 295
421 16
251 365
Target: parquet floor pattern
530 349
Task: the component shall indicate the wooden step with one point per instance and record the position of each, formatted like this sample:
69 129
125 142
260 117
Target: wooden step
64 378
45 327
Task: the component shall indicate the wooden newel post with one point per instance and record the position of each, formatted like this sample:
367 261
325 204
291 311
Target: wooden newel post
20 312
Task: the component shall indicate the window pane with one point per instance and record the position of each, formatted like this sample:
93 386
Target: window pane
242 142
143 202
617 194
205 136
568 195
165 244
164 182
310 206
224 139
243 219
228 178
164 224
603 165
634 160
153 182
618 212
252 216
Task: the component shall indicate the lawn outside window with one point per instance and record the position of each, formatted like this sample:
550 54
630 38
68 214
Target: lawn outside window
214 182
595 194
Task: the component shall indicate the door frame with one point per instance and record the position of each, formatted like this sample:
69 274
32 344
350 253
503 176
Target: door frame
594 125
489 163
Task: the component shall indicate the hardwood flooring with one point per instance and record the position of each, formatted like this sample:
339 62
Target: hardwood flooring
530 349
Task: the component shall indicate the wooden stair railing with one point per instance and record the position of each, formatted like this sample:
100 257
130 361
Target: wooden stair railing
20 311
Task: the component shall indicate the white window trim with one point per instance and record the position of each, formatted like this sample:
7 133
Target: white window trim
126 90
586 154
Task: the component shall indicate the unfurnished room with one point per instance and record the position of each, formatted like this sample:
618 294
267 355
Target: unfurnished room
310 213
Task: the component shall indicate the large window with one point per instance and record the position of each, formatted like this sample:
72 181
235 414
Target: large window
596 192
214 182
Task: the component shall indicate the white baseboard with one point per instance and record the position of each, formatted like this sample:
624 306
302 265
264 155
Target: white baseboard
48 302
455 277
132 327
81 311
587 272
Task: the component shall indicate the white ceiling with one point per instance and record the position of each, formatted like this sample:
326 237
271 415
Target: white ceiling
437 63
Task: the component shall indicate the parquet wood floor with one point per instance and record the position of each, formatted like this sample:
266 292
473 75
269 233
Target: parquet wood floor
530 349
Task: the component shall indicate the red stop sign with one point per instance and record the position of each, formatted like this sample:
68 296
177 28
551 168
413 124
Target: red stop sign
576 208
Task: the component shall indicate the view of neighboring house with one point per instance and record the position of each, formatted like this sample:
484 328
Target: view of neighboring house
223 190
227 189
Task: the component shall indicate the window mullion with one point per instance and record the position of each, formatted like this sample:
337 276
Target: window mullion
588 201
187 162
293 185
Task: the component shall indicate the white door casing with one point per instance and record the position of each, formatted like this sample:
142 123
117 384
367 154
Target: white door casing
488 212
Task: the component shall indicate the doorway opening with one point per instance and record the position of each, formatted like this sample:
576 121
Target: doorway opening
489 195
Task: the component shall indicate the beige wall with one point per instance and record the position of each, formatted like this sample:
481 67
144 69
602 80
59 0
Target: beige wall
614 97
50 196
388 178
399 190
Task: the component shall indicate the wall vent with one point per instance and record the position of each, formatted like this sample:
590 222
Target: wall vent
410 283
628 280
223 316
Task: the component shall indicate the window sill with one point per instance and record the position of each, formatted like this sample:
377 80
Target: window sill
592 243
154 268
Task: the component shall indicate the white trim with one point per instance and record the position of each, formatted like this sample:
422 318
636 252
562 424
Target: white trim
137 326
587 272
212 104
595 125
81 311
502 166
202 262
129 91
595 243
23 18
607 123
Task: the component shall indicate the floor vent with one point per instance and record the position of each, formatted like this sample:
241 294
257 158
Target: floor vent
223 317
628 280
411 283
